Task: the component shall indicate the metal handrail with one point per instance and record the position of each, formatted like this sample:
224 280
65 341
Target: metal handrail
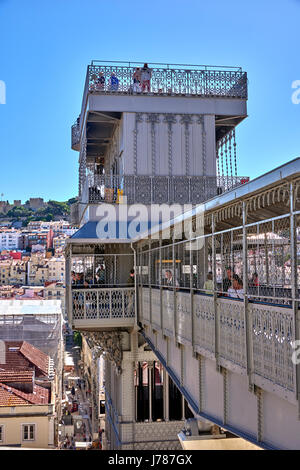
205 81
149 189
139 62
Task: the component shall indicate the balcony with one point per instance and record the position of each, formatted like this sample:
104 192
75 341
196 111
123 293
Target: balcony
100 294
103 308
168 80
144 189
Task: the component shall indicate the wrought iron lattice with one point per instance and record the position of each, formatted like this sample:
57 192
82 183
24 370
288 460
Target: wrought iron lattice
75 134
82 167
169 81
273 332
232 331
106 303
145 189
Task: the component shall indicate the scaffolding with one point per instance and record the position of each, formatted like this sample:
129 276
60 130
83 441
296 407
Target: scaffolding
38 322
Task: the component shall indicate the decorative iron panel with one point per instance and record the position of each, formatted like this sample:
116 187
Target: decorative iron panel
146 304
92 304
168 310
273 332
144 189
204 323
184 318
155 304
232 331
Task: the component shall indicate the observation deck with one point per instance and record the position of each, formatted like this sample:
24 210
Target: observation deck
180 88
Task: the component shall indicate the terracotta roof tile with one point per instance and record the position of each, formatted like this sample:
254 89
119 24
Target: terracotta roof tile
20 354
10 396
35 356
16 375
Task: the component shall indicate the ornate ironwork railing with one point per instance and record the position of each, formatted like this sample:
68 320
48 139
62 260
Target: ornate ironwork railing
168 80
158 189
101 304
272 329
75 135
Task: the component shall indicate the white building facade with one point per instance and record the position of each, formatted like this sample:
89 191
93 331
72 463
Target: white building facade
10 240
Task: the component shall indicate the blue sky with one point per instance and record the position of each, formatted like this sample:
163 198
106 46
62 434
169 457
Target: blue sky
46 45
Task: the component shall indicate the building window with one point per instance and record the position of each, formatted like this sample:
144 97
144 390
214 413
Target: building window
28 432
1 433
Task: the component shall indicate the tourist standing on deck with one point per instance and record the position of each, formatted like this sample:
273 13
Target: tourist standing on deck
137 80
113 82
100 82
146 77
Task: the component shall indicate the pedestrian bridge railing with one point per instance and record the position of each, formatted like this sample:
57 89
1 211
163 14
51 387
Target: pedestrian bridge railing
216 327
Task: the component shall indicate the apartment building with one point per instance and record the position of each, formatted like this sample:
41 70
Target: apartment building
30 238
59 243
10 239
38 273
18 272
56 269
13 272
55 291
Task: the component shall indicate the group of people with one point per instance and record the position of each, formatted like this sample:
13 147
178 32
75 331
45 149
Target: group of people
232 285
141 81
68 443
79 280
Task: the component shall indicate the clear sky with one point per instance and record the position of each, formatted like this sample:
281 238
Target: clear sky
45 46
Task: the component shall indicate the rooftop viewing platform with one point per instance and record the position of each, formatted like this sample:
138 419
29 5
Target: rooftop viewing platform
169 79
157 80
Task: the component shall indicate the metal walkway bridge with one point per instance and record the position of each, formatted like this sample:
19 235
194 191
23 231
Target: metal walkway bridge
220 307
